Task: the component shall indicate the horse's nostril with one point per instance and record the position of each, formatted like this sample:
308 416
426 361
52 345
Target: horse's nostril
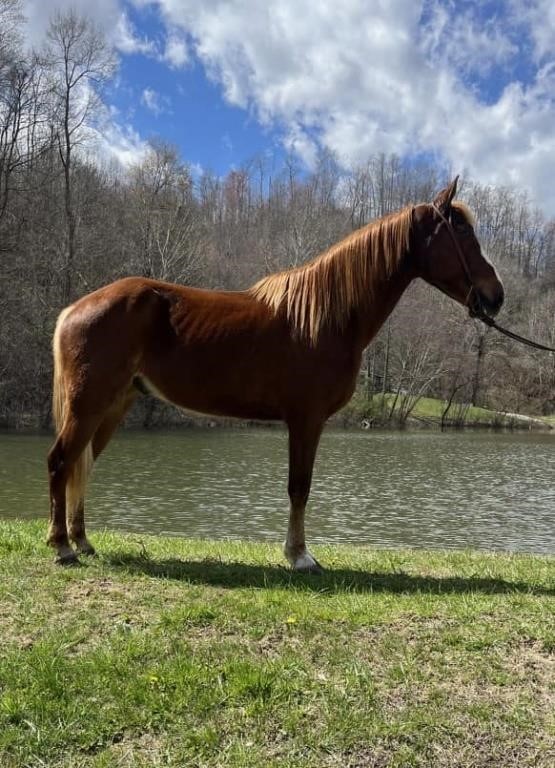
493 305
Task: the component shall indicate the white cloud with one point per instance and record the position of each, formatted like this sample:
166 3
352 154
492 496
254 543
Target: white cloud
467 41
356 77
539 17
109 15
300 143
122 144
111 140
360 78
106 13
196 170
175 53
153 101
127 41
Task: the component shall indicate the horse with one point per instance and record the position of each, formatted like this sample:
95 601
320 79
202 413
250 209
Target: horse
287 349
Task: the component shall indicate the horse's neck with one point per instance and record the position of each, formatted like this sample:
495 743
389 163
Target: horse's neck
382 299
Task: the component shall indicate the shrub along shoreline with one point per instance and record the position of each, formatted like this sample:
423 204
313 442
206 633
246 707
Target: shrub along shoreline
178 653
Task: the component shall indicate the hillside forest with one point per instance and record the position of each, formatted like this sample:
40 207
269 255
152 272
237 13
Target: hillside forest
72 220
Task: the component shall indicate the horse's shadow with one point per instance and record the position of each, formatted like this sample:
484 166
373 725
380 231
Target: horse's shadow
232 575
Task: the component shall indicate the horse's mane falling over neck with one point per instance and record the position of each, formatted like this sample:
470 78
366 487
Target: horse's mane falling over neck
328 288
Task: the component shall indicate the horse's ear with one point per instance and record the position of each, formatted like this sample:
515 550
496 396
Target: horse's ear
444 198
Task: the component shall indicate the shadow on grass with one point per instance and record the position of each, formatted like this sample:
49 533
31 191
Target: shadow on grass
231 575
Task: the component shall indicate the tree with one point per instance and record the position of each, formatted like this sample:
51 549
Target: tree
165 216
80 63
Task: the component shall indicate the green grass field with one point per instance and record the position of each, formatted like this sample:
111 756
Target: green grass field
167 652
432 408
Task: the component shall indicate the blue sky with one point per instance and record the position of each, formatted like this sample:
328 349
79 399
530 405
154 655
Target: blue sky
189 111
472 83
186 107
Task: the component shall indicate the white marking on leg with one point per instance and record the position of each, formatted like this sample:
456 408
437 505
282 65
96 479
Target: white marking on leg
302 561
306 562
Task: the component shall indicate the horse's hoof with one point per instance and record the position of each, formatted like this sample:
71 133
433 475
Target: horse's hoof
305 563
86 549
67 558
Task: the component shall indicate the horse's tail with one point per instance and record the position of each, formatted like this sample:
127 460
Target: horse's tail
58 394
77 480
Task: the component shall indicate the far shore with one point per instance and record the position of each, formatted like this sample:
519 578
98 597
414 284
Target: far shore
383 412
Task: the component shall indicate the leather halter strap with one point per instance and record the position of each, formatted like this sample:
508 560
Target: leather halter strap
479 312
458 248
463 262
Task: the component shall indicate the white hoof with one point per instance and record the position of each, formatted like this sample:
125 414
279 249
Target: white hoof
305 563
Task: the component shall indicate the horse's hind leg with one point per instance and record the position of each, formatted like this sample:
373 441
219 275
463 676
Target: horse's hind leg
76 523
303 442
101 438
67 469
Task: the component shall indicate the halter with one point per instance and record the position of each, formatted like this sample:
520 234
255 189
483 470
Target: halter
478 312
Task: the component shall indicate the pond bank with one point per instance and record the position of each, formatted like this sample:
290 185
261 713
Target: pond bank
176 652
404 412
378 412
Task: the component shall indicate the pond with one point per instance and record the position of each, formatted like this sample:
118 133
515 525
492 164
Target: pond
386 489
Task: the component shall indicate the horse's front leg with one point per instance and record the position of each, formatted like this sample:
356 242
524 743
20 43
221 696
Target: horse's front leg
303 442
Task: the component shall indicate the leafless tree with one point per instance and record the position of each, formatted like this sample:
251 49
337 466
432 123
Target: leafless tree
166 216
80 63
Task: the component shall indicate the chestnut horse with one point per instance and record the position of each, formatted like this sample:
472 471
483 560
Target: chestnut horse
289 348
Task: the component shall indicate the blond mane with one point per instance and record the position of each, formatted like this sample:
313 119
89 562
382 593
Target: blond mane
326 289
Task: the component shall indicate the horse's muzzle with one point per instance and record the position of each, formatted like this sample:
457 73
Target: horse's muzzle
483 304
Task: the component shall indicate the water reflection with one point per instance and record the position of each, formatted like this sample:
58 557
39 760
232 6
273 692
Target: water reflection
420 489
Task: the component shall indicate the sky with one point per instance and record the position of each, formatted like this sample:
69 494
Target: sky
469 83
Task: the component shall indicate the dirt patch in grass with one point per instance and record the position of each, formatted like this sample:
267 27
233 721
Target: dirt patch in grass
131 751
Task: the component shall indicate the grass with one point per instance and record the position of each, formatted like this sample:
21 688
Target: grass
432 408
429 410
167 652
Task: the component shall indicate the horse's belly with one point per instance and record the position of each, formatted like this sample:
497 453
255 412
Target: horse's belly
259 379
215 399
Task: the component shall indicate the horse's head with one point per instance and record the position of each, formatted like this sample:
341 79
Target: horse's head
448 255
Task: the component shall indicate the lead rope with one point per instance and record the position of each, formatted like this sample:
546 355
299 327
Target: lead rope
481 315
512 335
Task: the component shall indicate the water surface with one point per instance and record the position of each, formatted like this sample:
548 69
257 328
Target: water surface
385 489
